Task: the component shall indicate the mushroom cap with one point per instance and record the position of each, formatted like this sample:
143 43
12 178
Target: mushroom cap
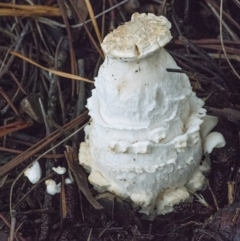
34 173
59 170
213 140
140 37
68 181
52 187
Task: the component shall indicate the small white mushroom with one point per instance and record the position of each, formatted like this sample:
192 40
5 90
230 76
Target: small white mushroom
59 170
68 181
52 187
209 122
34 173
213 140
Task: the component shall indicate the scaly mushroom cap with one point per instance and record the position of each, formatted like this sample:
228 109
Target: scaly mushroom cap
136 39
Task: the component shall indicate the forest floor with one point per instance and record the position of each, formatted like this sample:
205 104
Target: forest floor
50 53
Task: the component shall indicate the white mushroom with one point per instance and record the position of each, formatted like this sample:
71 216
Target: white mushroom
209 122
52 187
213 140
34 173
59 170
144 141
68 181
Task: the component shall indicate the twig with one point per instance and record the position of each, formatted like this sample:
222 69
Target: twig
44 117
93 18
17 46
213 235
213 196
162 7
15 126
13 225
55 156
87 30
226 113
222 43
227 16
70 43
81 89
60 60
237 3
231 33
53 23
9 226
80 177
201 53
5 220
103 20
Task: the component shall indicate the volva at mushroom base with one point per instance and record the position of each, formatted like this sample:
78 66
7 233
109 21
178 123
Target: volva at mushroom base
145 139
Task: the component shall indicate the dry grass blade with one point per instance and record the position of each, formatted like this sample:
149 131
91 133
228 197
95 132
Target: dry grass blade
55 156
59 73
92 16
90 234
80 177
28 10
63 199
9 101
87 30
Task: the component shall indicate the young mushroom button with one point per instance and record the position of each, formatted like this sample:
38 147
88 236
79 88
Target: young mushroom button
34 172
144 141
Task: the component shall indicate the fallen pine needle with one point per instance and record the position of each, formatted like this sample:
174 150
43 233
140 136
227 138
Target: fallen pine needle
56 72
17 10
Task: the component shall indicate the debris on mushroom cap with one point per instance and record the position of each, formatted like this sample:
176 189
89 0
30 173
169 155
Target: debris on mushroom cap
146 136
140 37
59 170
52 187
34 173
